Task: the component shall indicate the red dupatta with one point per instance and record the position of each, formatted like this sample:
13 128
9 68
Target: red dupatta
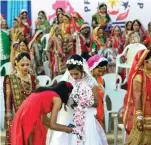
117 43
100 108
129 106
73 21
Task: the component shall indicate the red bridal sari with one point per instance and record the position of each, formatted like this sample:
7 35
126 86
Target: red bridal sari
135 136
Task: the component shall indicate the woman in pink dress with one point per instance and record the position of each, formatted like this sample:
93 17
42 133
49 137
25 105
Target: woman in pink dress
28 127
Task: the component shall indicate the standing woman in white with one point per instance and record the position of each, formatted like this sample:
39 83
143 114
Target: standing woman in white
81 110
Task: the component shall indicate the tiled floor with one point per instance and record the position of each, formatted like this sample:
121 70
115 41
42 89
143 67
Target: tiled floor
110 138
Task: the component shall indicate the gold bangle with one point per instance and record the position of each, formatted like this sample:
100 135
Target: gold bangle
8 114
137 112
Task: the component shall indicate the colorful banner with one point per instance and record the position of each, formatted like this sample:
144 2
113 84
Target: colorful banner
119 10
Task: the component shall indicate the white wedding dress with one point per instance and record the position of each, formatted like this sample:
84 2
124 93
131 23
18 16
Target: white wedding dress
94 134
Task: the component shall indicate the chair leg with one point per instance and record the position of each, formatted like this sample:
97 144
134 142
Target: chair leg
106 122
109 130
123 135
115 129
117 69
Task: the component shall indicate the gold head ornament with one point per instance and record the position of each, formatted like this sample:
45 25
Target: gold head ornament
24 59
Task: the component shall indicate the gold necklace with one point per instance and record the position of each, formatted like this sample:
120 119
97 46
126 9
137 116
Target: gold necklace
27 87
26 83
23 77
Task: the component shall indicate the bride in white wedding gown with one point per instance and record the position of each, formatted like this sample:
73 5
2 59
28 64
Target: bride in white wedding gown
87 130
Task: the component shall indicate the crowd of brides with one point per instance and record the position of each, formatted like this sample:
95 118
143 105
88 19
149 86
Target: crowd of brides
71 112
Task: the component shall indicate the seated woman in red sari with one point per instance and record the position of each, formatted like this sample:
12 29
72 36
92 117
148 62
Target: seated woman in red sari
137 103
97 66
115 40
97 41
28 127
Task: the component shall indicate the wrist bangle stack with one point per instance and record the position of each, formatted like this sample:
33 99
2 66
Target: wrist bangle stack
8 114
139 117
139 113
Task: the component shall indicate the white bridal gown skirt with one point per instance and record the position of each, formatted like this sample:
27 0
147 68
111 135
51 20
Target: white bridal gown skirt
58 137
94 133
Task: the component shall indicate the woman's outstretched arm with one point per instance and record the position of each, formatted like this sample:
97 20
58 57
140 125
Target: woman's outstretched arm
54 114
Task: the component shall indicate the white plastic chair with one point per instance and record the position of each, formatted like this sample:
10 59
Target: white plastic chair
46 38
118 125
116 97
111 81
57 79
46 68
2 106
8 68
130 52
44 80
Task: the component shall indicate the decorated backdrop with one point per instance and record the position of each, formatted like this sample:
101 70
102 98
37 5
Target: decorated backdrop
119 10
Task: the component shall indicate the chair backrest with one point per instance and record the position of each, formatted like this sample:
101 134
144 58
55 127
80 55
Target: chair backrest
112 81
117 99
8 68
44 80
46 39
132 49
57 79
46 68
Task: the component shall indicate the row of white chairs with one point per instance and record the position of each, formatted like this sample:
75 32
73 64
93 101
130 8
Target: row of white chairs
45 80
